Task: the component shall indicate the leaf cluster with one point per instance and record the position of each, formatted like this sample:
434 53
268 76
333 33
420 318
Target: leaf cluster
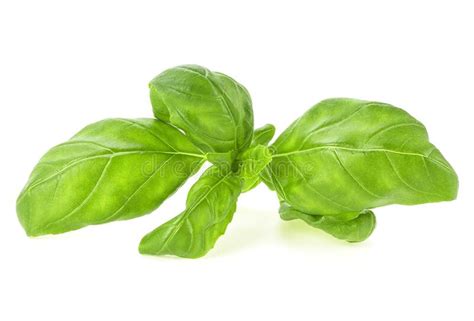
330 168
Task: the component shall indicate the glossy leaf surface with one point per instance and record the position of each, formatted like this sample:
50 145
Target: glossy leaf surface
114 169
347 155
214 110
210 207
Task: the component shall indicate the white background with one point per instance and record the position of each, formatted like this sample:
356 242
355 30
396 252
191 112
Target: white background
65 64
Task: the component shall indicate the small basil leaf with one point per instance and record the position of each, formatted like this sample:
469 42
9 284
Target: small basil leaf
210 207
350 227
111 170
263 135
256 157
214 110
251 164
346 155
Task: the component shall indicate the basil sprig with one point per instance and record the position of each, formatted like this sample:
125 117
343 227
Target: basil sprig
330 168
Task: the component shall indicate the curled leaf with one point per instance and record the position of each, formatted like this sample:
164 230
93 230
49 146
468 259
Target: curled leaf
350 227
214 110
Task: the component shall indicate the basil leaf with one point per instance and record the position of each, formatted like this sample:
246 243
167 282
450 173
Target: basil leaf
214 110
347 155
263 135
210 207
114 169
351 227
251 164
253 161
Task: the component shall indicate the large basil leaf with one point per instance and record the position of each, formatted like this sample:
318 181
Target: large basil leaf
210 207
114 169
214 110
347 155
355 227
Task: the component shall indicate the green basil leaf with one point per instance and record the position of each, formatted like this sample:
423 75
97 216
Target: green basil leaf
251 164
263 135
210 207
214 110
347 155
351 227
114 169
253 161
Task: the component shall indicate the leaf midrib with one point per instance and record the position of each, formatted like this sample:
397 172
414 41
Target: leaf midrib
188 212
108 155
362 150
220 94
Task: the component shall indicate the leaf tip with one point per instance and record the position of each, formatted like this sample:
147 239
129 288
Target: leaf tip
145 248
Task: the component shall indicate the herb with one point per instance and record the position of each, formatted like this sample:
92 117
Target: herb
330 168
209 209
115 169
212 109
